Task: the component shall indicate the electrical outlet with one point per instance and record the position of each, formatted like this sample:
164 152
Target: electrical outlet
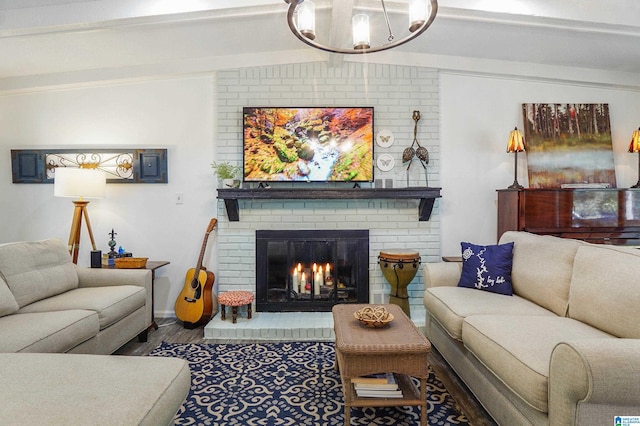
179 197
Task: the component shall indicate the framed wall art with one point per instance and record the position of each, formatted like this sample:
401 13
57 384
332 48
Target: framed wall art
568 145
120 165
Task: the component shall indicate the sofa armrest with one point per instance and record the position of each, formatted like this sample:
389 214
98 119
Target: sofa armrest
97 277
441 274
593 380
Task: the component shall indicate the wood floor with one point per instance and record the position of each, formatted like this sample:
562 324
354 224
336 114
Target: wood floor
172 332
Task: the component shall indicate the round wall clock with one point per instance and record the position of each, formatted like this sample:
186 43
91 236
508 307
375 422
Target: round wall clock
385 162
384 138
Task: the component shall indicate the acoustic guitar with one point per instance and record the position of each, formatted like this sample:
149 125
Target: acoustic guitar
194 303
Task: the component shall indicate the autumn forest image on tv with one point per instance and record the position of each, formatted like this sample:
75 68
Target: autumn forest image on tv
308 144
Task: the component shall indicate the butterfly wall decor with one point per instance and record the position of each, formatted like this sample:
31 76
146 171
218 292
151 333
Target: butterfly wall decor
384 138
385 162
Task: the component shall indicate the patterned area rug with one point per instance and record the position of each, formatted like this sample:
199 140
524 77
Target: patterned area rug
284 384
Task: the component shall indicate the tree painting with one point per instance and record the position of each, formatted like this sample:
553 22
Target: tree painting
568 144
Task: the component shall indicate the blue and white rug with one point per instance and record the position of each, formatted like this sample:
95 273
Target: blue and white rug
288 384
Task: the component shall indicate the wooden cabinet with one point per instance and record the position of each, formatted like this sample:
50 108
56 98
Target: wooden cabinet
604 216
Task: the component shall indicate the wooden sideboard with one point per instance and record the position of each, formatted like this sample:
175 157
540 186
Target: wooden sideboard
603 216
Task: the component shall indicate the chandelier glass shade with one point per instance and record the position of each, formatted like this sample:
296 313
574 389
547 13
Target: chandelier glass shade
301 18
306 19
360 27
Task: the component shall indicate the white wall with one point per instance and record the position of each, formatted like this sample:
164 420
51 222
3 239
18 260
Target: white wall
174 114
477 114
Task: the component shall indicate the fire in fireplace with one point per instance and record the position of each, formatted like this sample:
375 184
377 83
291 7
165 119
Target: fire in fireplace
311 270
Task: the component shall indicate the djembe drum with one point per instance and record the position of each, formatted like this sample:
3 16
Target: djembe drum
399 268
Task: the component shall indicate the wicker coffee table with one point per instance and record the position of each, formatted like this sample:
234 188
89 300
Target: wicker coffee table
397 348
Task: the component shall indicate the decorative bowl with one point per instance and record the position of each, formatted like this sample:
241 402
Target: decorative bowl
131 262
373 316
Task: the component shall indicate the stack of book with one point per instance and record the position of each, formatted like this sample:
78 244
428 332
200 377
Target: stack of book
382 385
108 259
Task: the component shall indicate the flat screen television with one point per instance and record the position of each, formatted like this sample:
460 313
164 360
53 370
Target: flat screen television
329 144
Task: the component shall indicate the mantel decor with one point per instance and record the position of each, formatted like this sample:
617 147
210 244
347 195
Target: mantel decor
427 196
120 165
422 153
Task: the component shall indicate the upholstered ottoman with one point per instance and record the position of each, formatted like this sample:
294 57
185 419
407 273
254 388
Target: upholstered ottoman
71 389
235 299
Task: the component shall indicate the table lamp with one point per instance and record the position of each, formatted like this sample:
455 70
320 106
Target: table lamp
634 146
515 145
79 183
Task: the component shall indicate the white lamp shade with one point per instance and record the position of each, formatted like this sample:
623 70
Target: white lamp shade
78 182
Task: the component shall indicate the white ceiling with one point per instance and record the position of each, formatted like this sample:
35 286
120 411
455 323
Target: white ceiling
57 42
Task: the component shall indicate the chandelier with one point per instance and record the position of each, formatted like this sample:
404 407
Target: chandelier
301 18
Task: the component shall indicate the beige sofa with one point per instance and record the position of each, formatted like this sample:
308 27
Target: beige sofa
563 350
48 304
79 389
57 322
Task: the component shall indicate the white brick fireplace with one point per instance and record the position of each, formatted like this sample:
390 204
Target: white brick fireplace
394 92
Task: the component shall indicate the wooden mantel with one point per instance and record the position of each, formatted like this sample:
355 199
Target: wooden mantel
427 196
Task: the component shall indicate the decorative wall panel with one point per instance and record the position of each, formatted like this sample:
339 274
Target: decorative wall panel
120 165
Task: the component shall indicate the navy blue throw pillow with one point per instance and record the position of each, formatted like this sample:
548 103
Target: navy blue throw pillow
487 267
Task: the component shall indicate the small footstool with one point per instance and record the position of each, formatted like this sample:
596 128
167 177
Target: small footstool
235 299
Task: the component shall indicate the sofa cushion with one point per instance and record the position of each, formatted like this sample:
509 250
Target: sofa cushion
48 331
70 389
8 304
542 268
487 267
110 303
517 349
37 270
451 305
605 289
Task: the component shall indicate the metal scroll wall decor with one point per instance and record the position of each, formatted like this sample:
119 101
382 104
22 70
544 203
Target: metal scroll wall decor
410 153
120 165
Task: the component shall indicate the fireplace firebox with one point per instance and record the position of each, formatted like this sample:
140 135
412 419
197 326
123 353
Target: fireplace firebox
311 270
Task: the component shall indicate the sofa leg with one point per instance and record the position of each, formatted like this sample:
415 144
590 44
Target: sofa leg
142 337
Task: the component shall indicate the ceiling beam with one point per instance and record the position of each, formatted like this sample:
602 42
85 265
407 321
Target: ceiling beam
340 31
341 12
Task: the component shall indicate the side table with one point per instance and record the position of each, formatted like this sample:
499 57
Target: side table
152 265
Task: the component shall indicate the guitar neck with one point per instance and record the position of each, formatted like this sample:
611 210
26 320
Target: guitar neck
212 224
202 250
